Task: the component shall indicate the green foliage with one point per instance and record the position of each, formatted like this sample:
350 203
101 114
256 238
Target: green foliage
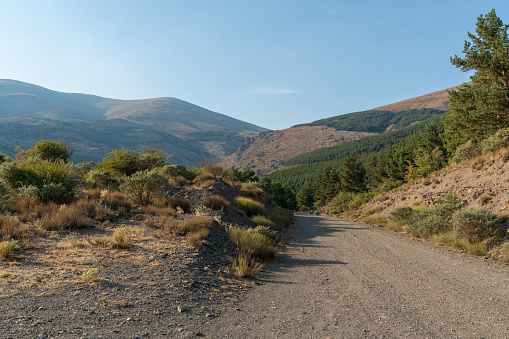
260 220
465 151
402 213
495 142
7 248
97 178
327 186
352 175
91 275
278 193
178 171
281 217
480 108
249 206
452 201
143 186
127 162
376 121
251 243
474 224
341 202
305 198
50 150
431 221
267 231
53 179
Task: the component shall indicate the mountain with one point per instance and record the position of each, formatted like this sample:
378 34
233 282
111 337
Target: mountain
305 144
187 133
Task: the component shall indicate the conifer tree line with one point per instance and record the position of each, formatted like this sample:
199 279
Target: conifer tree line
478 122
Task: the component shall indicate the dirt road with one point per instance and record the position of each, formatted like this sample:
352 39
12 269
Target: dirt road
339 279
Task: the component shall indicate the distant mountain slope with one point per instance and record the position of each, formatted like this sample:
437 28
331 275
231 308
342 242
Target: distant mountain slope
438 100
271 149
187 133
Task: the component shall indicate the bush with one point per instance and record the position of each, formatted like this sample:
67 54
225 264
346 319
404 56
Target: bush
340 203
56 193
246 267
66 217
260 220
431 221
474 224
249 206
216 202
402 213
251 243
10 228
50 150
98 179
176 202
115 201
121 239
7 248
267 231
39 173
282 218
127 162
495 142
143 186
178 171
466 151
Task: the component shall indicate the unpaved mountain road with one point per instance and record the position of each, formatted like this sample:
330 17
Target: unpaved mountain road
338 279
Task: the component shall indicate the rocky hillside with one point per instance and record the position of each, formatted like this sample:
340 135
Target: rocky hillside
186 132
479 182
270 149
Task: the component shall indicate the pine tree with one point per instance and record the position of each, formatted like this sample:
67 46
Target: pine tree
481 107
352 175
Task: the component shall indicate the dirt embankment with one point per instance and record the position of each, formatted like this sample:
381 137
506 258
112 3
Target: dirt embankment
481 182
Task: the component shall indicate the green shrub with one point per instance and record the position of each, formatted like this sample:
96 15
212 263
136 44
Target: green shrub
7 248
466 151
474 224
251 243
267 231
340 203
121 238
431 221
56 193
39 173
178 171
495 142
50 150
260 220
98 179
281 217
143 186
127 162
402 213
249 206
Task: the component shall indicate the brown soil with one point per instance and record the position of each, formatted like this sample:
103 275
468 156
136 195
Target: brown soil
480 182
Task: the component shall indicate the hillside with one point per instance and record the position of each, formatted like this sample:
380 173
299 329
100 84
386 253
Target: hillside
186 132
302 144
271 149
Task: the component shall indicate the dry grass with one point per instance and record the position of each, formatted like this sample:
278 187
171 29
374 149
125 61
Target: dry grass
193 228
65 218
121 239
246 267
216 202
249 206
7 248
115 200
175 202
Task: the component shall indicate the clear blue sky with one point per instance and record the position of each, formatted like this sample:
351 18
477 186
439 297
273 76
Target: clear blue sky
274 63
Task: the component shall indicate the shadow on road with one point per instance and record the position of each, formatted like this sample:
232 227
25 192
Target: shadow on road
308 228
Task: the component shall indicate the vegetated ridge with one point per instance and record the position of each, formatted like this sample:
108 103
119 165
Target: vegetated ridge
326 139
185 132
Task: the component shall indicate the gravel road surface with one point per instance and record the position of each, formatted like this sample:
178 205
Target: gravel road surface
338 279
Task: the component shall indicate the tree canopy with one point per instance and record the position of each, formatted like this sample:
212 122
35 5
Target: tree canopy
481 107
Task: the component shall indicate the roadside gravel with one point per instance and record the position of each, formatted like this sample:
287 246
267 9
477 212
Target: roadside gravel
338 279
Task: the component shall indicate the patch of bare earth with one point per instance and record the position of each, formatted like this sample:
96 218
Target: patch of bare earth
480 182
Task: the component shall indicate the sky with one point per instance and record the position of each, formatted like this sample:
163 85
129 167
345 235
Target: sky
274 63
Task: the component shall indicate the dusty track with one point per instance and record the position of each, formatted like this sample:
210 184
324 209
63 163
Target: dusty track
339 279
